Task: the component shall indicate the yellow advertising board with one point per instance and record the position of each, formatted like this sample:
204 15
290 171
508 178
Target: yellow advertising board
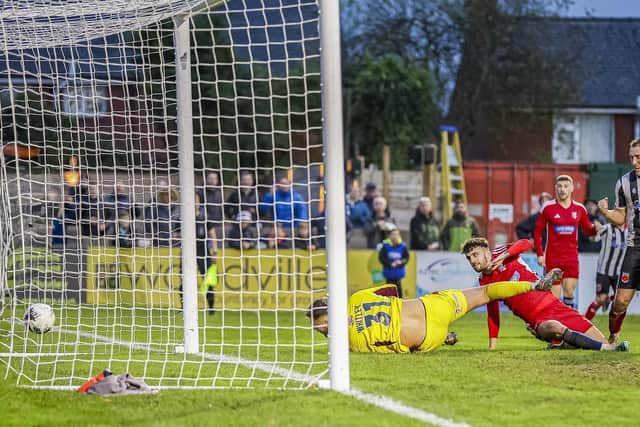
265 279
364 270
136 276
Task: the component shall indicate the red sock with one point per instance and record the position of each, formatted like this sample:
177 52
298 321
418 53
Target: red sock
591 311
615 321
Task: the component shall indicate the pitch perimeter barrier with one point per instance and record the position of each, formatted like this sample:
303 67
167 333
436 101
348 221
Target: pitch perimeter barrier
442 270
267 279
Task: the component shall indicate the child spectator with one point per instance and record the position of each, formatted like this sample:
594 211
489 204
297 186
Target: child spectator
117 201
302 238
277 237
243 234
394 255
122 230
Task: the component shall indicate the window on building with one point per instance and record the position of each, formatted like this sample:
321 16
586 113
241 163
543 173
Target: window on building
583 138
84 100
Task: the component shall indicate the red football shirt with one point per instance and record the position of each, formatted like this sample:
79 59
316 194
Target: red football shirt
526 306
562 230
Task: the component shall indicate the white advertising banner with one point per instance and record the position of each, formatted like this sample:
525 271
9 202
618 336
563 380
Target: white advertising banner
502 212
443 270
449 270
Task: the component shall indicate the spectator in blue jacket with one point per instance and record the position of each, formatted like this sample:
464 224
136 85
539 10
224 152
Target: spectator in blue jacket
358 212
394 256
284 206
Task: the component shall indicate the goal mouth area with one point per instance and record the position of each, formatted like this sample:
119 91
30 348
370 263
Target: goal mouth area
239 362
166 192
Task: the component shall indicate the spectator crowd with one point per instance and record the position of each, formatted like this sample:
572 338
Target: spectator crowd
244 217
240 217
371 214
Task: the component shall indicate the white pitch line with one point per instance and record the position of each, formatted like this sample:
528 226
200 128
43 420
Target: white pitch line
41 354
402 409
376 400
265 367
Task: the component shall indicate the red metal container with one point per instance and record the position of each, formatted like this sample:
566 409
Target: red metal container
500 194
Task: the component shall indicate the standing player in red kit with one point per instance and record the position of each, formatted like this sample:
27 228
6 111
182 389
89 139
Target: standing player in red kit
561 218
546 317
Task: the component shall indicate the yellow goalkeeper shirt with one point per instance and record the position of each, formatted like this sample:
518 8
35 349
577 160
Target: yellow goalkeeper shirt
374 321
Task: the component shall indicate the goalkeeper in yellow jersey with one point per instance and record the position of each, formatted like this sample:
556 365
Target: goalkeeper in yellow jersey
380 322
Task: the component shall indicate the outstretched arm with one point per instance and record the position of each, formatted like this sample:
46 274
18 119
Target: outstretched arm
514 250
518 247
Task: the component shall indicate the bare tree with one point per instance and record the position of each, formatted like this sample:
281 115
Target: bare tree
486 58
508 63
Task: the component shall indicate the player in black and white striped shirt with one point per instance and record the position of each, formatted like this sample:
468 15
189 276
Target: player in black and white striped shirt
609 262
626 211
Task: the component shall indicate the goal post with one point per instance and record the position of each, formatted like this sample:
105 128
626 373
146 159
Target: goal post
163 185
187 183
334 158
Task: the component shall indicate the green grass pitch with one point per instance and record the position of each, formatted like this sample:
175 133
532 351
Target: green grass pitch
520 384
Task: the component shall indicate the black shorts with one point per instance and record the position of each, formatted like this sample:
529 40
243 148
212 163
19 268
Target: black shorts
630 272
604 283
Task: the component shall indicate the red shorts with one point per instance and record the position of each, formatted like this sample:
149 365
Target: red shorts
570 269
565 315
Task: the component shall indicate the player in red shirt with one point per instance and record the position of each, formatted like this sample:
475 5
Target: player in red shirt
561 218
546 317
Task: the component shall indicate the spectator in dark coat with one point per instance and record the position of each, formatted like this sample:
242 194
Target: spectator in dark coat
586 243
425 230
244 198
211 199
243 233
370 194
377 225
162 219
524 229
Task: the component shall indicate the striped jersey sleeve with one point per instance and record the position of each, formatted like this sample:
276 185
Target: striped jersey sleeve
612 250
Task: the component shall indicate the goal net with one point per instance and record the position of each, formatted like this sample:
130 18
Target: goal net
162 190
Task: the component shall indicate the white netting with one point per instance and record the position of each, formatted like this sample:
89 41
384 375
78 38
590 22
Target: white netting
91 217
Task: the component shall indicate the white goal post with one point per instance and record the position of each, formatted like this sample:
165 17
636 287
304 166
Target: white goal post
164 171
